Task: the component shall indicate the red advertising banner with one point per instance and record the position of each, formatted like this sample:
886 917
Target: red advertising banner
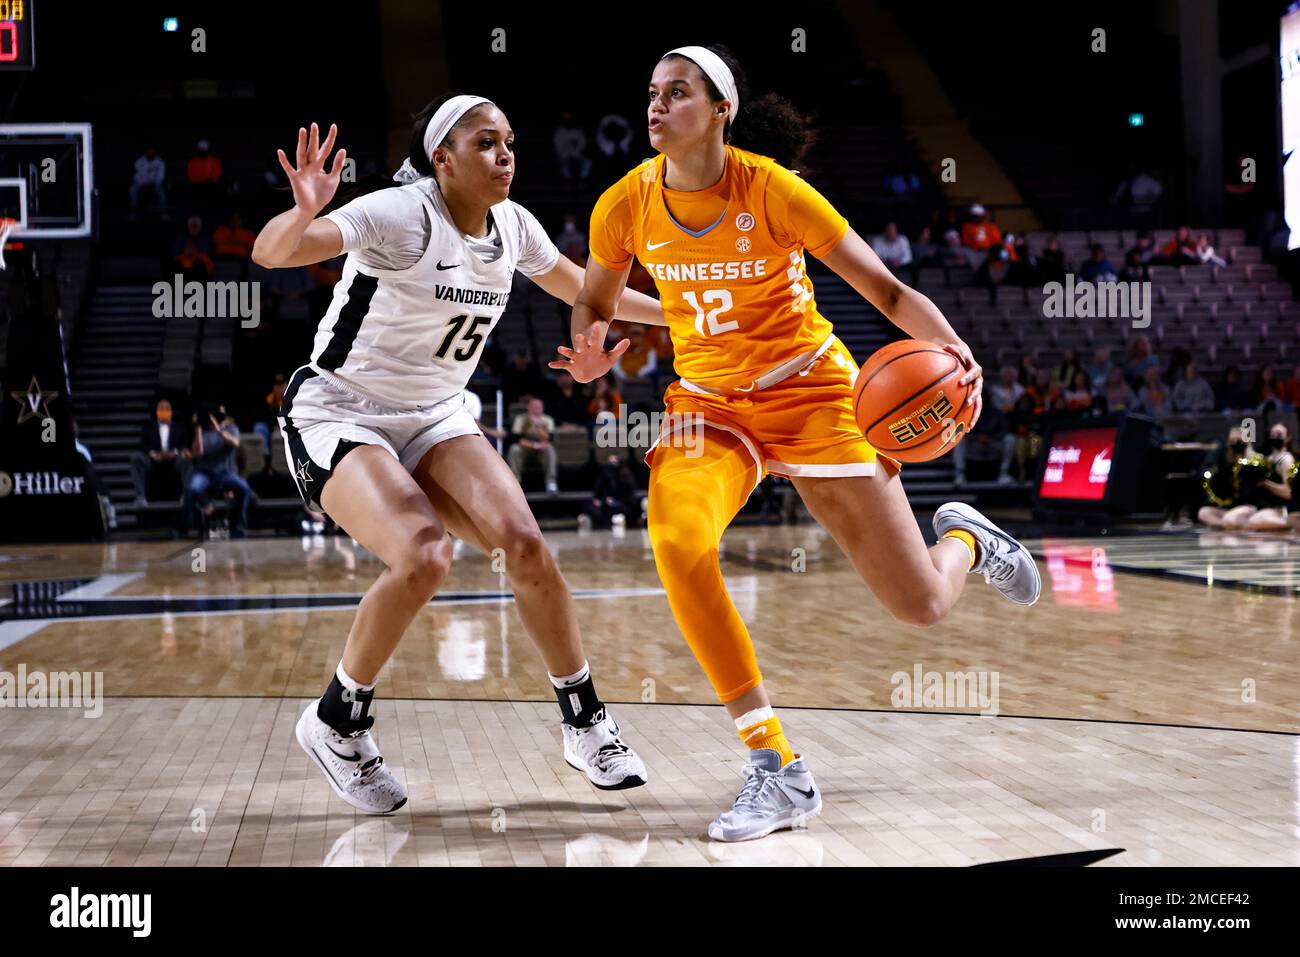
1078 464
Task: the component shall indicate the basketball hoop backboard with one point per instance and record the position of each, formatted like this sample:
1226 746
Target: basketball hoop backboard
47 179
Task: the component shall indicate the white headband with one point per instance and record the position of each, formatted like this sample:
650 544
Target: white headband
440 124
715 70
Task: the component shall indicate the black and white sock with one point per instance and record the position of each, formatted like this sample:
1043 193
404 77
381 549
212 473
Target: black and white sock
577 696
345 705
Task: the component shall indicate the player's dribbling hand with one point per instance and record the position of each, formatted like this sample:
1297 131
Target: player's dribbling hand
588 359
314 186
974 376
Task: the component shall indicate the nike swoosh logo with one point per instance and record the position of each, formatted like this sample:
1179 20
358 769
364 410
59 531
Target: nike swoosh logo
345 757
761 729
808 794
957 433
650 245
748 388
452 266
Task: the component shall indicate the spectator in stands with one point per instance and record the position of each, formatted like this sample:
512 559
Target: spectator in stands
232 240
893 248
571 242
900 178
1005 396
567 403
1007 390
640 360
164 450
534 432
571 149
1143 249
216 436
192 252
1079 396
614 145
1027 418
1232 395
521 377
613 499
925 252
605 396
1134 269
1028 370
1099 369
1145 191
1064 374
1098 267
992 428
289 285
1052 265
203 173
1266 390
150 174
1178 359
1024 261
955 255
1153 397
271 414
1205 252
978 233
1289 390
1119 394
1192 394
994 270
1042 392
1140 194
1181 250
1140 358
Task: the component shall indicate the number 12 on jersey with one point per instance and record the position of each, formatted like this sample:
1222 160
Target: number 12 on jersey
710 318
470 342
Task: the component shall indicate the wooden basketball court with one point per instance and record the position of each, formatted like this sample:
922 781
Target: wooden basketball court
1144 712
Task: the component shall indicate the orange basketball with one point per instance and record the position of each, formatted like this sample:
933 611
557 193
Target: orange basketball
908 403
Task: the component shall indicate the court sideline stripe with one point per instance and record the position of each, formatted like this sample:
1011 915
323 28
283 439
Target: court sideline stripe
714 704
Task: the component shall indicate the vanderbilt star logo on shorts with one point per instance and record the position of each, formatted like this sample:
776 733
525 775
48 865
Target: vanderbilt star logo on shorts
304 475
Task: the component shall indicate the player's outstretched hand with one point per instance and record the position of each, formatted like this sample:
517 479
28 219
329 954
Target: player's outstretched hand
313 185
588 359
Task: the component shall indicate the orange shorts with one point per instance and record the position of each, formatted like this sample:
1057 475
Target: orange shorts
803 426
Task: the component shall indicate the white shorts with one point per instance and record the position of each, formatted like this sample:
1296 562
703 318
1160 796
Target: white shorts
322 421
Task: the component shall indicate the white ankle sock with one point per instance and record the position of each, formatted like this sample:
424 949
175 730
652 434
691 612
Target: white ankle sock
347 681
751 718
568 681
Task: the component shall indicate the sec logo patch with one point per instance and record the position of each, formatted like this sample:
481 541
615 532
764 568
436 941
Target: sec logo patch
743 244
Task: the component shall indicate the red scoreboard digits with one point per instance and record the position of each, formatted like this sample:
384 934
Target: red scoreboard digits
17 39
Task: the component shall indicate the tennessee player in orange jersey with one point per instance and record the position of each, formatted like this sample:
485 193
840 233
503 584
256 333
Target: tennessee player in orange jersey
723 232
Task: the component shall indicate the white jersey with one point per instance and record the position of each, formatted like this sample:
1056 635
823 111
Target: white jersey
410 337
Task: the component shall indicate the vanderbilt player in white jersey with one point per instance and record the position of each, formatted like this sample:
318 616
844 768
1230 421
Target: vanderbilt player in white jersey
377 429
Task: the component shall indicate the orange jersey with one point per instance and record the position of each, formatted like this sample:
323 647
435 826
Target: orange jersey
727 261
